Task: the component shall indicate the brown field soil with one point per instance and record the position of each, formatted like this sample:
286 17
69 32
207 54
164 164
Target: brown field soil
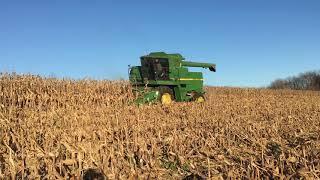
68 129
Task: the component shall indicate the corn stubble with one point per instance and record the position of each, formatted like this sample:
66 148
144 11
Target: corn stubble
53 129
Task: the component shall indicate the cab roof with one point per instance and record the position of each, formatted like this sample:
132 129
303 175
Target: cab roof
164 55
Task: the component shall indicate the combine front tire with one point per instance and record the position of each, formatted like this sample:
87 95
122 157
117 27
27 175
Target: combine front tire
166 95
166 98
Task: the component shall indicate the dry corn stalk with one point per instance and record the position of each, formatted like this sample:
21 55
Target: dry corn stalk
53 128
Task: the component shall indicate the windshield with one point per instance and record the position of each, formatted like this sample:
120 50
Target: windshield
155 68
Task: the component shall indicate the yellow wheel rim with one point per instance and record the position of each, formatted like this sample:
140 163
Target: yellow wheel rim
200 99
166 98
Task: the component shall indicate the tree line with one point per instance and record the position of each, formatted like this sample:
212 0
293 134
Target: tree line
304 81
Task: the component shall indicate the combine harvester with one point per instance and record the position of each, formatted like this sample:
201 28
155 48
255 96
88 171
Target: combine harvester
165 77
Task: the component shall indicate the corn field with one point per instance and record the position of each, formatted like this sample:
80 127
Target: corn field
73 129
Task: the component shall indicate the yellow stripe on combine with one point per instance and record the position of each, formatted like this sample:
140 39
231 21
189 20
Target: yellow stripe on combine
190 79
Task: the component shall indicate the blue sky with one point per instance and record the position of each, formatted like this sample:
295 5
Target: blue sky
251 41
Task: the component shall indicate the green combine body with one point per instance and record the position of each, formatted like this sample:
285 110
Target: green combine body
165 77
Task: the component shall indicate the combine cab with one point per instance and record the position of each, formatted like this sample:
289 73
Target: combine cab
165 77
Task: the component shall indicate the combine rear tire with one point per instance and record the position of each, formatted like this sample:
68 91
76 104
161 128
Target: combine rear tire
199 98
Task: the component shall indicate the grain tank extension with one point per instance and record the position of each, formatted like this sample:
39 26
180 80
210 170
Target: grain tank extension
165 77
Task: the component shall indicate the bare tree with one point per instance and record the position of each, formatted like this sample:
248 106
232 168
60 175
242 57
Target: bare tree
304 81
